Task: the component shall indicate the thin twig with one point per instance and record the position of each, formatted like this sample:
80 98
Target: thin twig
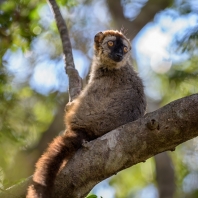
75 82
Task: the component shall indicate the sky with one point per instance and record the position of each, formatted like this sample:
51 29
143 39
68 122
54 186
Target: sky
154 48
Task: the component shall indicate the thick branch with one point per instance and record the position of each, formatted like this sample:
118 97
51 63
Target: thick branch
128 145
75 84
146 15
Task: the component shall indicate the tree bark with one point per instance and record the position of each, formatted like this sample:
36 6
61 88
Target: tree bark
132 143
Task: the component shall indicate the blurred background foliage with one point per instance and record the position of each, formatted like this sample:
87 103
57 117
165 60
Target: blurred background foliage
33 83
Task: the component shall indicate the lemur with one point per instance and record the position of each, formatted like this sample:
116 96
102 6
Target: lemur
113 97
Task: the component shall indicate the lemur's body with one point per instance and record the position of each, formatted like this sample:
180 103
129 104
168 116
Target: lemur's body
114 96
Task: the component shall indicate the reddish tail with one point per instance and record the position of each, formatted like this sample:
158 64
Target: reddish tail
47 167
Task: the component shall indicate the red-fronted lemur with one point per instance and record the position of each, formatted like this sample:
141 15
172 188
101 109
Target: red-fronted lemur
114 96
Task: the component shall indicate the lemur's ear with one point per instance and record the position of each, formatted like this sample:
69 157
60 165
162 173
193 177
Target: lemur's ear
98 37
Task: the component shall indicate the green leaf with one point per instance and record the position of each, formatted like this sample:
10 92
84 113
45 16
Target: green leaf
92 196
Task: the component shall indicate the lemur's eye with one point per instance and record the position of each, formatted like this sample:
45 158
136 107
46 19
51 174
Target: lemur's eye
110 43
125 49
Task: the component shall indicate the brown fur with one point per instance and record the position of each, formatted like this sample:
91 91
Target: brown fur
114 96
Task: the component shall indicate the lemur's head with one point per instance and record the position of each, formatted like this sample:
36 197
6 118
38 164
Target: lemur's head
112 48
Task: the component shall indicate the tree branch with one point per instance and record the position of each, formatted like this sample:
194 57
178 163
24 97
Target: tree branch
126 146
75 82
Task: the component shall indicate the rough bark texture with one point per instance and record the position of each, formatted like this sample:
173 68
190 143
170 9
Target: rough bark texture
126 146
75 82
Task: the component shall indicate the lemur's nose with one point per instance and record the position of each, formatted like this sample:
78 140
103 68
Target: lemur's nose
118 55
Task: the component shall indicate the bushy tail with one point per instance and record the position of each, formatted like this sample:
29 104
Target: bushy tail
47 167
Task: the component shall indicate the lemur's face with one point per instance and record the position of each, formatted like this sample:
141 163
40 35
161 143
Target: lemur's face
116 47
112 47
